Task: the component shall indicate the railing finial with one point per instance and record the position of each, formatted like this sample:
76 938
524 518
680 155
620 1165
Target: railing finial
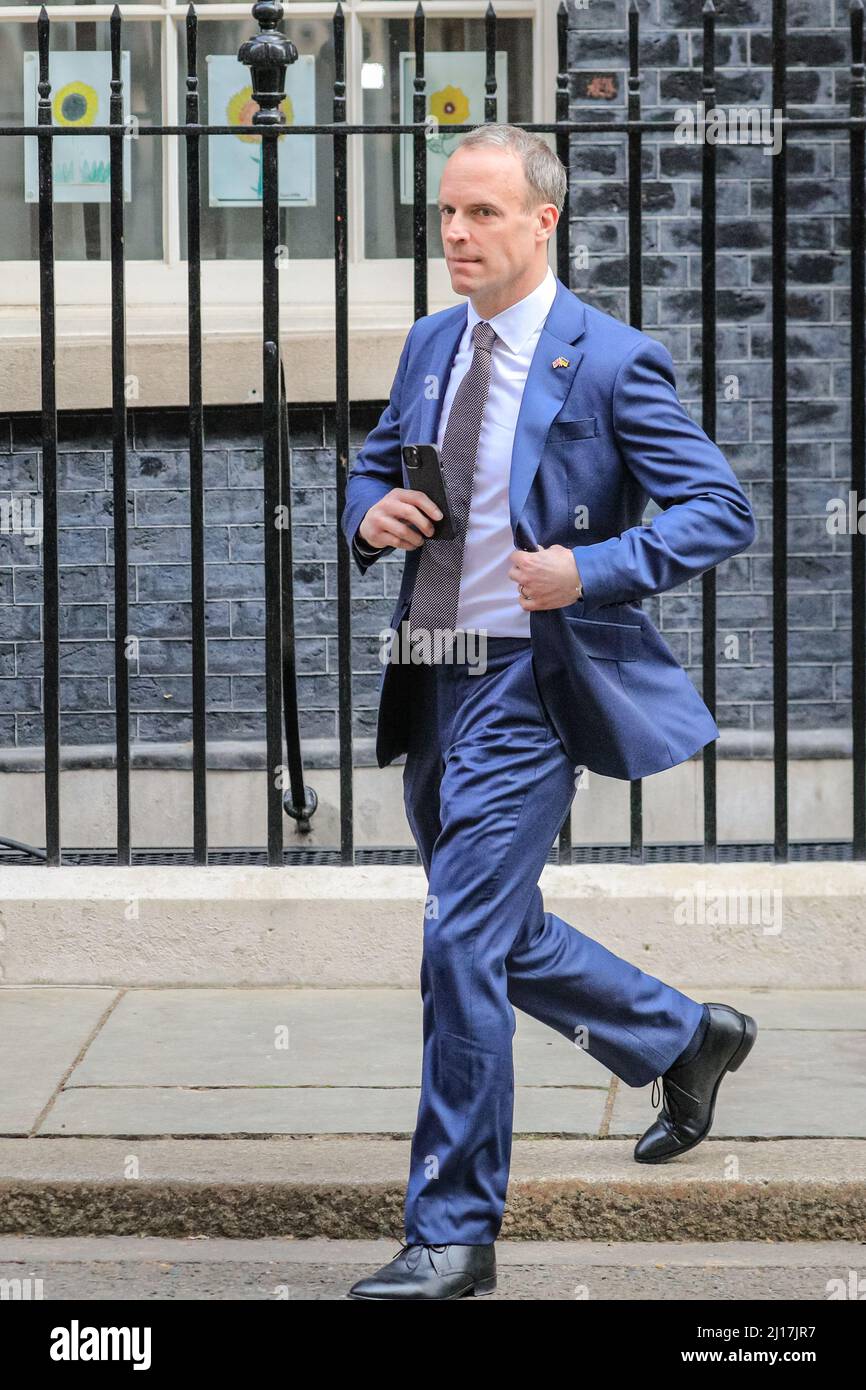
267 55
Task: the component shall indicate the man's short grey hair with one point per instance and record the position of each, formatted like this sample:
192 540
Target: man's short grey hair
545 173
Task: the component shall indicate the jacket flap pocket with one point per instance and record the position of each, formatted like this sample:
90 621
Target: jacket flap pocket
585 428
616 641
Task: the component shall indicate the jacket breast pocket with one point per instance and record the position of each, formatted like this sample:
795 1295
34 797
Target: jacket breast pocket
611 641
585 428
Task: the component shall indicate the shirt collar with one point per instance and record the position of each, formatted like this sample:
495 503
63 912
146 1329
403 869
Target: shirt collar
516 324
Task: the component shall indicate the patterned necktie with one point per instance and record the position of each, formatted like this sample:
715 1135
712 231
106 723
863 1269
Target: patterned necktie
437 583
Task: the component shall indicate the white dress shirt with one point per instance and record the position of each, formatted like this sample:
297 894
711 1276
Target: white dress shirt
489 600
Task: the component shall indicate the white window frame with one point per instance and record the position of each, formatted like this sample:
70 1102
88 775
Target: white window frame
379 290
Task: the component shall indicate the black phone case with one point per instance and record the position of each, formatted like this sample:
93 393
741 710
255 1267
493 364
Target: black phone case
426 476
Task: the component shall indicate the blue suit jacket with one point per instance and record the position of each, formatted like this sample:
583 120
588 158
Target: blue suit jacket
594 440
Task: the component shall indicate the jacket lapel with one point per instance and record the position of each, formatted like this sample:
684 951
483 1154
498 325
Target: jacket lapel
544 393
437 369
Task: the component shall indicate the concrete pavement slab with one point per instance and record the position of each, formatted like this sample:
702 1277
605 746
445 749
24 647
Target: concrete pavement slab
264 1060
296 1110
795 1082
42 1033
293 1037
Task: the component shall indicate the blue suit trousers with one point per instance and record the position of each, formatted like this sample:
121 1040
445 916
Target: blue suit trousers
486 786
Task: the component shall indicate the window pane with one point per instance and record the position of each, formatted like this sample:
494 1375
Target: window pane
455 90
230 230
81 229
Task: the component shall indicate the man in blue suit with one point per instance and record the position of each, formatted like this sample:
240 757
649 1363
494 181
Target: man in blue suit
555 423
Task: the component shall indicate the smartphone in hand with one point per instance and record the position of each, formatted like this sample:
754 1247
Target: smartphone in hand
425 474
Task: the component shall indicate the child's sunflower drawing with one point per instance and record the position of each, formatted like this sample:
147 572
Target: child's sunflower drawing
240 110
76 103
450 106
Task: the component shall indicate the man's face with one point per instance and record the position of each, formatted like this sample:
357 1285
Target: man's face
490 240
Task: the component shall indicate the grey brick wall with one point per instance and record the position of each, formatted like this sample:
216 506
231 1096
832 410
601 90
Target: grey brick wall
671 54
818 458
159 578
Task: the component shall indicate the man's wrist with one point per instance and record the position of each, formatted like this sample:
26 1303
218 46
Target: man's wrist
365 549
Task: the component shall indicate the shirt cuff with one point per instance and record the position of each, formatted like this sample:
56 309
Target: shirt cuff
367 551
579 580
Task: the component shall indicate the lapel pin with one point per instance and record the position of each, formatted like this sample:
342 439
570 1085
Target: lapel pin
559 362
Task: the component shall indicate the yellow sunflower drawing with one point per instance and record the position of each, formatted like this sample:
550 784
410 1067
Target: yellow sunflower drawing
450 106
241 108
76 103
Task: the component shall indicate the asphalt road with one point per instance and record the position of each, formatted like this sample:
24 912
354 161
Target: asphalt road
126 1268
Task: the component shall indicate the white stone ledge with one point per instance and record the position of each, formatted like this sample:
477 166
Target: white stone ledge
792 926
157 358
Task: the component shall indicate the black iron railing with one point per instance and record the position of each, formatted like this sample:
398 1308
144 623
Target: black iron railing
268 54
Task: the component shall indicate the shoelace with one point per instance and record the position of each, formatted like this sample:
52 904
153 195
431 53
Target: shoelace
672 1109
671 1106
409 1246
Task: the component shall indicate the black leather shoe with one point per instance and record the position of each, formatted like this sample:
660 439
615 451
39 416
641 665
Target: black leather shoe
432 1271
690 1087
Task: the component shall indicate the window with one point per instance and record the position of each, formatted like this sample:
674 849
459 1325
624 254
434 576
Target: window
379 48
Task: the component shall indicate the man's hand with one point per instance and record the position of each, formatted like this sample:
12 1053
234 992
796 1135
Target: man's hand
548 577
393 520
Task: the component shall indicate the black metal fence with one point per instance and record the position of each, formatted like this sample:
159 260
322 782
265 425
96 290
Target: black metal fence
268 55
